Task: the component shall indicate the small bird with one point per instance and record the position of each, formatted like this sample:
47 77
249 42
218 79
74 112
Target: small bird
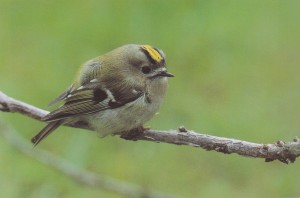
113 93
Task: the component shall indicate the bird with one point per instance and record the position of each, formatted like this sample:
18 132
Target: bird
116 92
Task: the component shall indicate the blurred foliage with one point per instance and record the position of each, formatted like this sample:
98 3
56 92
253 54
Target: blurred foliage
237 75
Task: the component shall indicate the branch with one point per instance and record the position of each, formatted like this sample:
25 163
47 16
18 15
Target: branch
283 151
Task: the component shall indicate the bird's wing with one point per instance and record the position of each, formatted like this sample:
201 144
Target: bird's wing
61 96
92 98
88 71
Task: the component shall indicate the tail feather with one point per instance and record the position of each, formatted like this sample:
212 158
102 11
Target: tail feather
45 132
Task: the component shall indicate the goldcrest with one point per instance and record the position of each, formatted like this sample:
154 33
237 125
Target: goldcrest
118 91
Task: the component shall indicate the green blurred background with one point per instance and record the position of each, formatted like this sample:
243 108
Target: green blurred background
237 75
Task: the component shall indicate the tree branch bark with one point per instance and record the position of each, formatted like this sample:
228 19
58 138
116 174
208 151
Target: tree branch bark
283 151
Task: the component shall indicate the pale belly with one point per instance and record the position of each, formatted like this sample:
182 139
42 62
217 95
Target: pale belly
130 116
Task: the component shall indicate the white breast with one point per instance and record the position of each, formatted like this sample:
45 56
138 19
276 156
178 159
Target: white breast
131 115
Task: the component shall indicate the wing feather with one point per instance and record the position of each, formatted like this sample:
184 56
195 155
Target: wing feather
90 98
61 96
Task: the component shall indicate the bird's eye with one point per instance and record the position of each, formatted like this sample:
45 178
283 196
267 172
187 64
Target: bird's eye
146 70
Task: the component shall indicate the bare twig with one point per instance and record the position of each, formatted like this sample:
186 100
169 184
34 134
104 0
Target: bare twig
82 176
283 151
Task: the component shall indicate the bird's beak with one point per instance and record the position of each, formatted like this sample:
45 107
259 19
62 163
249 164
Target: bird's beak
165 73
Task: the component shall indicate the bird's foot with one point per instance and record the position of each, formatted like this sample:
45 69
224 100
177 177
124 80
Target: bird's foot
133 134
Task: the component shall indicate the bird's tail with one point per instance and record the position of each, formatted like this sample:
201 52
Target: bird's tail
45 132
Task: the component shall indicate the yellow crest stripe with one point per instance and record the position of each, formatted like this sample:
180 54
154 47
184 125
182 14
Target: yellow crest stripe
152 53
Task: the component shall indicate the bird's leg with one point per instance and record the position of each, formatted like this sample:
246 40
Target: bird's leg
133 133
